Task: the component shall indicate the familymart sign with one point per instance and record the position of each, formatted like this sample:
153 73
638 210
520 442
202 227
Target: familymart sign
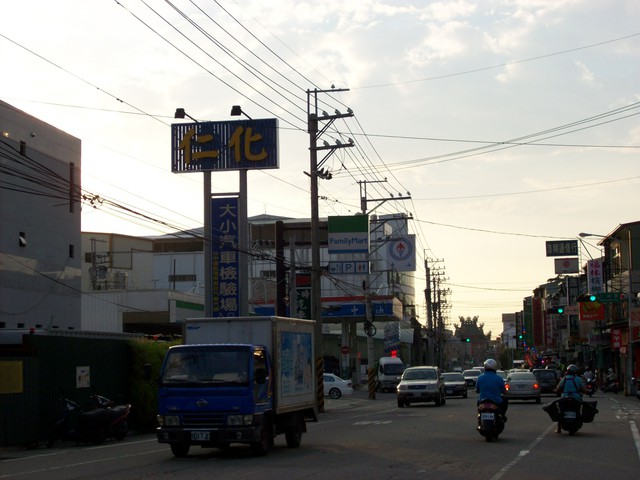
348 234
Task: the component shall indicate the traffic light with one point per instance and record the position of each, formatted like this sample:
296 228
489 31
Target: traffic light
587 297
467 340
556 310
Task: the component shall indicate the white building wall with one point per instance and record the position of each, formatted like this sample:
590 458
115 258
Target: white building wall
40 276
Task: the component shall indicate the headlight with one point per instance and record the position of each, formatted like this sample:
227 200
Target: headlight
168 420
239 420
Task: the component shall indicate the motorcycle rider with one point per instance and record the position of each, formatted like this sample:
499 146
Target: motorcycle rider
571 386
490 386
611 377
588 374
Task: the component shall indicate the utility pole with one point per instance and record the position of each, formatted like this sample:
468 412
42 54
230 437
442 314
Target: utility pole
366 285
316 273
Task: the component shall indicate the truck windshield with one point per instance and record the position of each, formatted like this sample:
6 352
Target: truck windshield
392 369
220 365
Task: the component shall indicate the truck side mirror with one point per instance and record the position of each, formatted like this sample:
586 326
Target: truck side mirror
261 376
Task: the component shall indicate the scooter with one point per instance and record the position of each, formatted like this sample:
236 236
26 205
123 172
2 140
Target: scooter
612 386
570 417
590 386
75 424
490 420
118 415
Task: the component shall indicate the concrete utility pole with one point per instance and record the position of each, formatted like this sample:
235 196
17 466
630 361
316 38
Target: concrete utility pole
316 273
367 283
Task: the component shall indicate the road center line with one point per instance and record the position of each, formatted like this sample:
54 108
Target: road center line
522 454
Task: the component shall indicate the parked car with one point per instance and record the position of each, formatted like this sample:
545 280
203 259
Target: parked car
335 387
421 384
547 379
523 386
471 376
454 384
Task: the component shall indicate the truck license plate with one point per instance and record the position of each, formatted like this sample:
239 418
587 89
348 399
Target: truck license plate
200 436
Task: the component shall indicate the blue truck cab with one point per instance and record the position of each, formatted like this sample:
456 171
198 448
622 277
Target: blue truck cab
213 395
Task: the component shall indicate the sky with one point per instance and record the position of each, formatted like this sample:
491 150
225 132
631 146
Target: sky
508 123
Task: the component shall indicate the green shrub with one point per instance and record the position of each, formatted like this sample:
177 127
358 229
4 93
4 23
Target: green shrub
144 391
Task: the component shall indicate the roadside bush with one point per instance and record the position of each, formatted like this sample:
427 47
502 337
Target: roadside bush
144 391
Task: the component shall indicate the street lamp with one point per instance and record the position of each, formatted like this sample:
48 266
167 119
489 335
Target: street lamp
236 111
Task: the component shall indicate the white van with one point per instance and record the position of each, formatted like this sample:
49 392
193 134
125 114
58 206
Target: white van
389 372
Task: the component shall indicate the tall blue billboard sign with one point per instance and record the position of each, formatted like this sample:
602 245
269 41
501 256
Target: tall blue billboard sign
224 257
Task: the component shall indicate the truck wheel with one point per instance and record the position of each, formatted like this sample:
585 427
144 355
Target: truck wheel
262 446
180 449
293 435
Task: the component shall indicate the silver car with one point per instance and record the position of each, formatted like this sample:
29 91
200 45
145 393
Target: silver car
421 384
523 386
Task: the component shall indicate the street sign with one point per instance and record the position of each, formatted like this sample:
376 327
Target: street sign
610 297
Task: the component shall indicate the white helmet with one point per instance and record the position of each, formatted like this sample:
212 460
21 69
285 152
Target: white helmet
490 364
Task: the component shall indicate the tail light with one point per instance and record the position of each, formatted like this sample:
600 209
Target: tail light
536 386
506 386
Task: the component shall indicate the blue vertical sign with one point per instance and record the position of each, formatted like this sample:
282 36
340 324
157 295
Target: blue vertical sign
225 286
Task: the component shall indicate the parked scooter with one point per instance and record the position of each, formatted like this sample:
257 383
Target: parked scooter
490 421
75 424
590 386
118 415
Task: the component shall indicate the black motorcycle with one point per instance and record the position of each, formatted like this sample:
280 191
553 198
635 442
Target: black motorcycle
118 415
490 420
590 386
612 386
570 414
77 425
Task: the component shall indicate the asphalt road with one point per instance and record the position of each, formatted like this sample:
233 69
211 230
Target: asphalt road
374 439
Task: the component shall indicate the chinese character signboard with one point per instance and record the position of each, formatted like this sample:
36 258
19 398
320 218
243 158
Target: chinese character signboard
594 276
561 248
224 257
302 307
591 311
224 146
348 234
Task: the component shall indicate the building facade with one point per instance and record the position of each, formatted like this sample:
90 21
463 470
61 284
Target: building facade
40 199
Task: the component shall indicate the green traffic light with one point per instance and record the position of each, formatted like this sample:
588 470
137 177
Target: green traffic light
560 310
468 340
592 298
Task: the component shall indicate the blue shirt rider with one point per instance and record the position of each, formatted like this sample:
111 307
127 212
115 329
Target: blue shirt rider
571 384
490 386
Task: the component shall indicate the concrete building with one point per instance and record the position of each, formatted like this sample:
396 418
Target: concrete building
40 198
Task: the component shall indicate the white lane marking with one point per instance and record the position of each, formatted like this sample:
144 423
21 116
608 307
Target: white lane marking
522 454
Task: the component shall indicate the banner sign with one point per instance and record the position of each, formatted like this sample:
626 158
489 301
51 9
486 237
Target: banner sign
224 257
224 146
